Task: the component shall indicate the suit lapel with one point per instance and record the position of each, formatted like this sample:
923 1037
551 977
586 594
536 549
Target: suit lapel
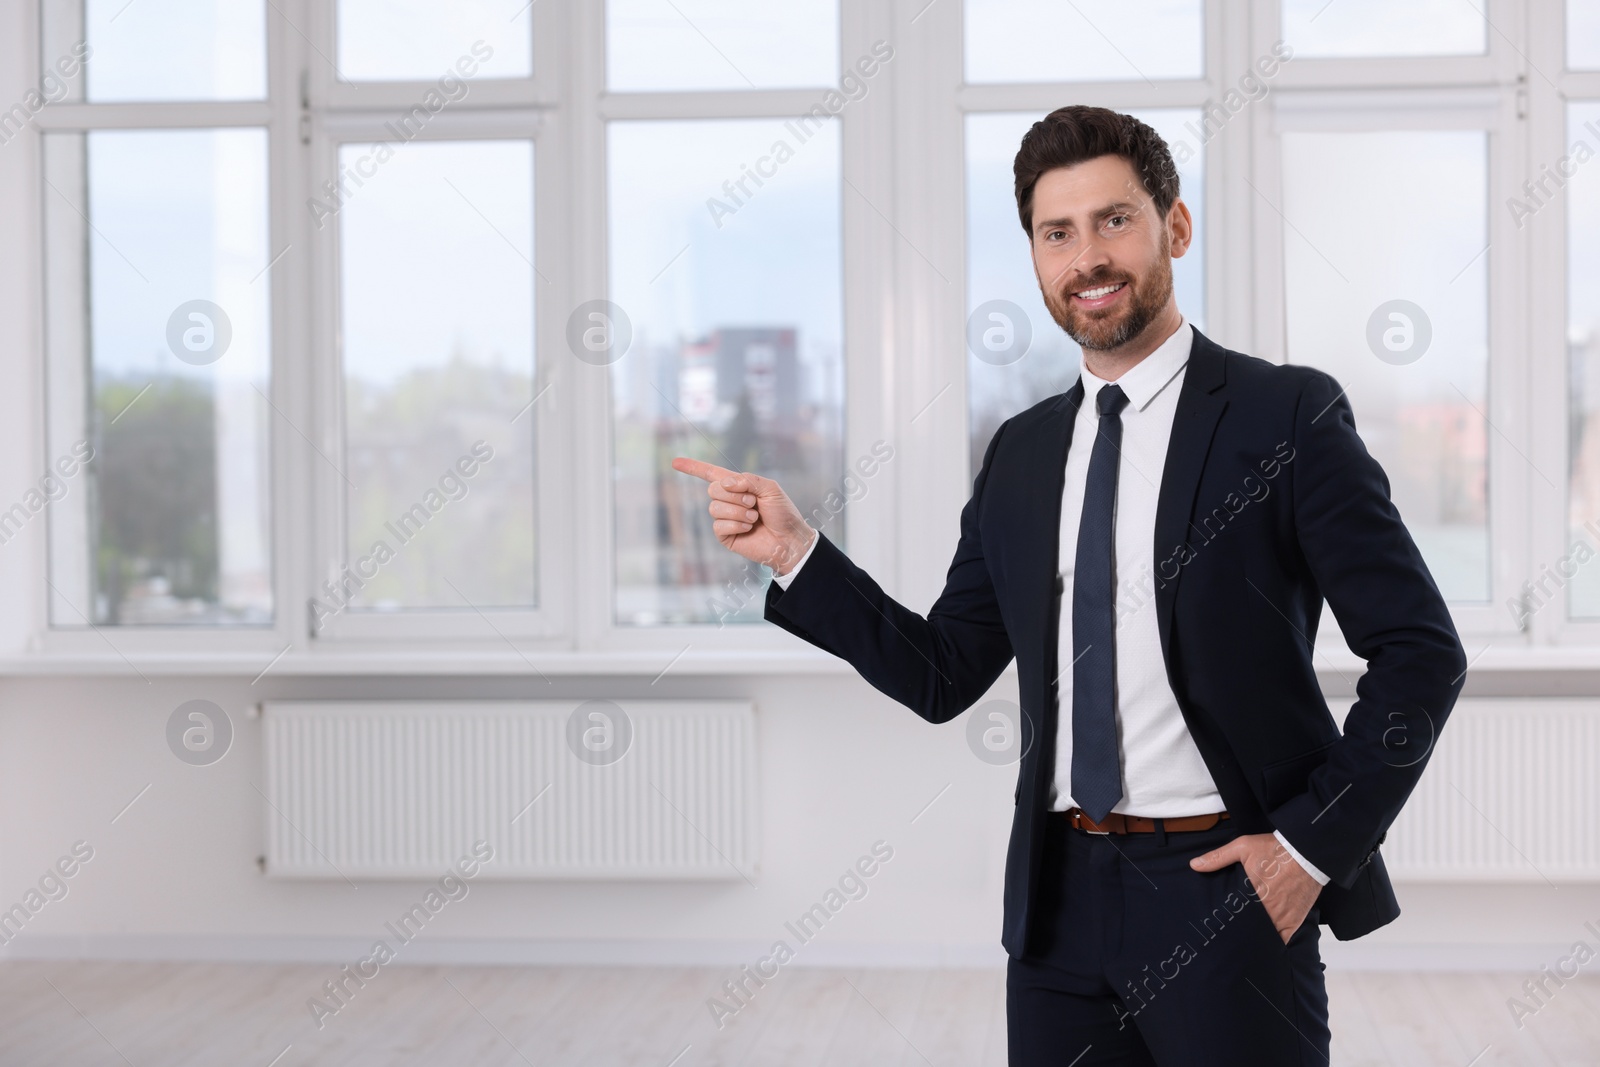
1051 477
1050 474
1193 426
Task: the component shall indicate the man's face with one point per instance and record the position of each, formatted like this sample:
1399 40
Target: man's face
1102 254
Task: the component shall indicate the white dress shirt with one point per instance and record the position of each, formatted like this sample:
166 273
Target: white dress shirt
1164 775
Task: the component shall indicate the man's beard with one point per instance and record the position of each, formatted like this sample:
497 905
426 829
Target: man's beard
1100 330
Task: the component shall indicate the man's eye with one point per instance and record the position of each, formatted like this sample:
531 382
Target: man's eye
1113 220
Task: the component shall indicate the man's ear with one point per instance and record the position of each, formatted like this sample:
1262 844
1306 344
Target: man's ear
1180 228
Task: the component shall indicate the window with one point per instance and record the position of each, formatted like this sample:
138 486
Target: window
439 446
722 330
731 286
721 44
429 260
1370 28
1583 35
1025 41
158 326
190 50
370 329
412 41
1583 363
1386 289
1381 190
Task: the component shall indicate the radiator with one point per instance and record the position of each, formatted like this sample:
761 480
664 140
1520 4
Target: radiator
388 789
1509 794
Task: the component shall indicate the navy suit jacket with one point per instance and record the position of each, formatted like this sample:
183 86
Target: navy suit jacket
1269 503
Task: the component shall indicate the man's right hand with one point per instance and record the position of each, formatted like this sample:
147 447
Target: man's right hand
752 515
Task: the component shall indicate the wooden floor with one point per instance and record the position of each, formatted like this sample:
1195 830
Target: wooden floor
88 1014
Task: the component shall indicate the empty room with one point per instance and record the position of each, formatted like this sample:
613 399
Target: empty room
542 532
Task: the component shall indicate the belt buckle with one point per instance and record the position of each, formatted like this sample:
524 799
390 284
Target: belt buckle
1078 821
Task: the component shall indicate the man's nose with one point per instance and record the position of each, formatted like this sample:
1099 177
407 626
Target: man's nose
1091 257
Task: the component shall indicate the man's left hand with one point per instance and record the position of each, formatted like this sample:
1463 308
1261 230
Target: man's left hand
1284 887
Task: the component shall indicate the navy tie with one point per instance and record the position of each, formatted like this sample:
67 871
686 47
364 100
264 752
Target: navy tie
1096 763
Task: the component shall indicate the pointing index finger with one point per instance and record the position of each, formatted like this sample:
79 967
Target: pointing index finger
699 468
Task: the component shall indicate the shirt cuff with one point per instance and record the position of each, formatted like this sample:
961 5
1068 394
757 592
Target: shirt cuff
1321 878
783 580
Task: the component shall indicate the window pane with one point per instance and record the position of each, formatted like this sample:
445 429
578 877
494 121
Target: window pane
1582 197
436 297
1049 41
170 50
1583 34
721 44
1386 289
1002 381
1344 28
734 303
425 40
162 235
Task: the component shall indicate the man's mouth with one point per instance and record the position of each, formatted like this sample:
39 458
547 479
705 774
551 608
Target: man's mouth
1098 297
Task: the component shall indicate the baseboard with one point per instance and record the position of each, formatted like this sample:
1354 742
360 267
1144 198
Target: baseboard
1339 956
490 952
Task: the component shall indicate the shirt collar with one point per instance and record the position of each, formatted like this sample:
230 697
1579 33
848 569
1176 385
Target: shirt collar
1149 376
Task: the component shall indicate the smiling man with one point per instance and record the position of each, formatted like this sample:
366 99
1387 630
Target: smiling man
1188 813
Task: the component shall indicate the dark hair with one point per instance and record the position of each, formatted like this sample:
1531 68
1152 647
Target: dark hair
1077 133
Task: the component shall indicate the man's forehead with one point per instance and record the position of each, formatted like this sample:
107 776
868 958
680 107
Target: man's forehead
1090 185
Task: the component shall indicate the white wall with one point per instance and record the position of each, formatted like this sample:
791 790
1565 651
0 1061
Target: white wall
840 767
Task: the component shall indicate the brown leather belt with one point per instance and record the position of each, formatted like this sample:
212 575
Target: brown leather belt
1118 823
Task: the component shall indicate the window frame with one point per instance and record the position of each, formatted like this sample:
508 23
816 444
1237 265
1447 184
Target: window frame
134 646
1469 109
335 112
1547 100
904 280
1485 92
867 170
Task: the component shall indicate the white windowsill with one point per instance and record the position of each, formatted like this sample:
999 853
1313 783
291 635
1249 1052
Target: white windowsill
414 660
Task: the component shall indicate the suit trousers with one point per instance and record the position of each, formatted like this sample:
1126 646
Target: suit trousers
1135 958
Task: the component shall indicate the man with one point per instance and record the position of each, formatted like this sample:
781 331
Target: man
1153 547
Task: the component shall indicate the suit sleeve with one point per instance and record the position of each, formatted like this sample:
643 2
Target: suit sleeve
1392 615
939 665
